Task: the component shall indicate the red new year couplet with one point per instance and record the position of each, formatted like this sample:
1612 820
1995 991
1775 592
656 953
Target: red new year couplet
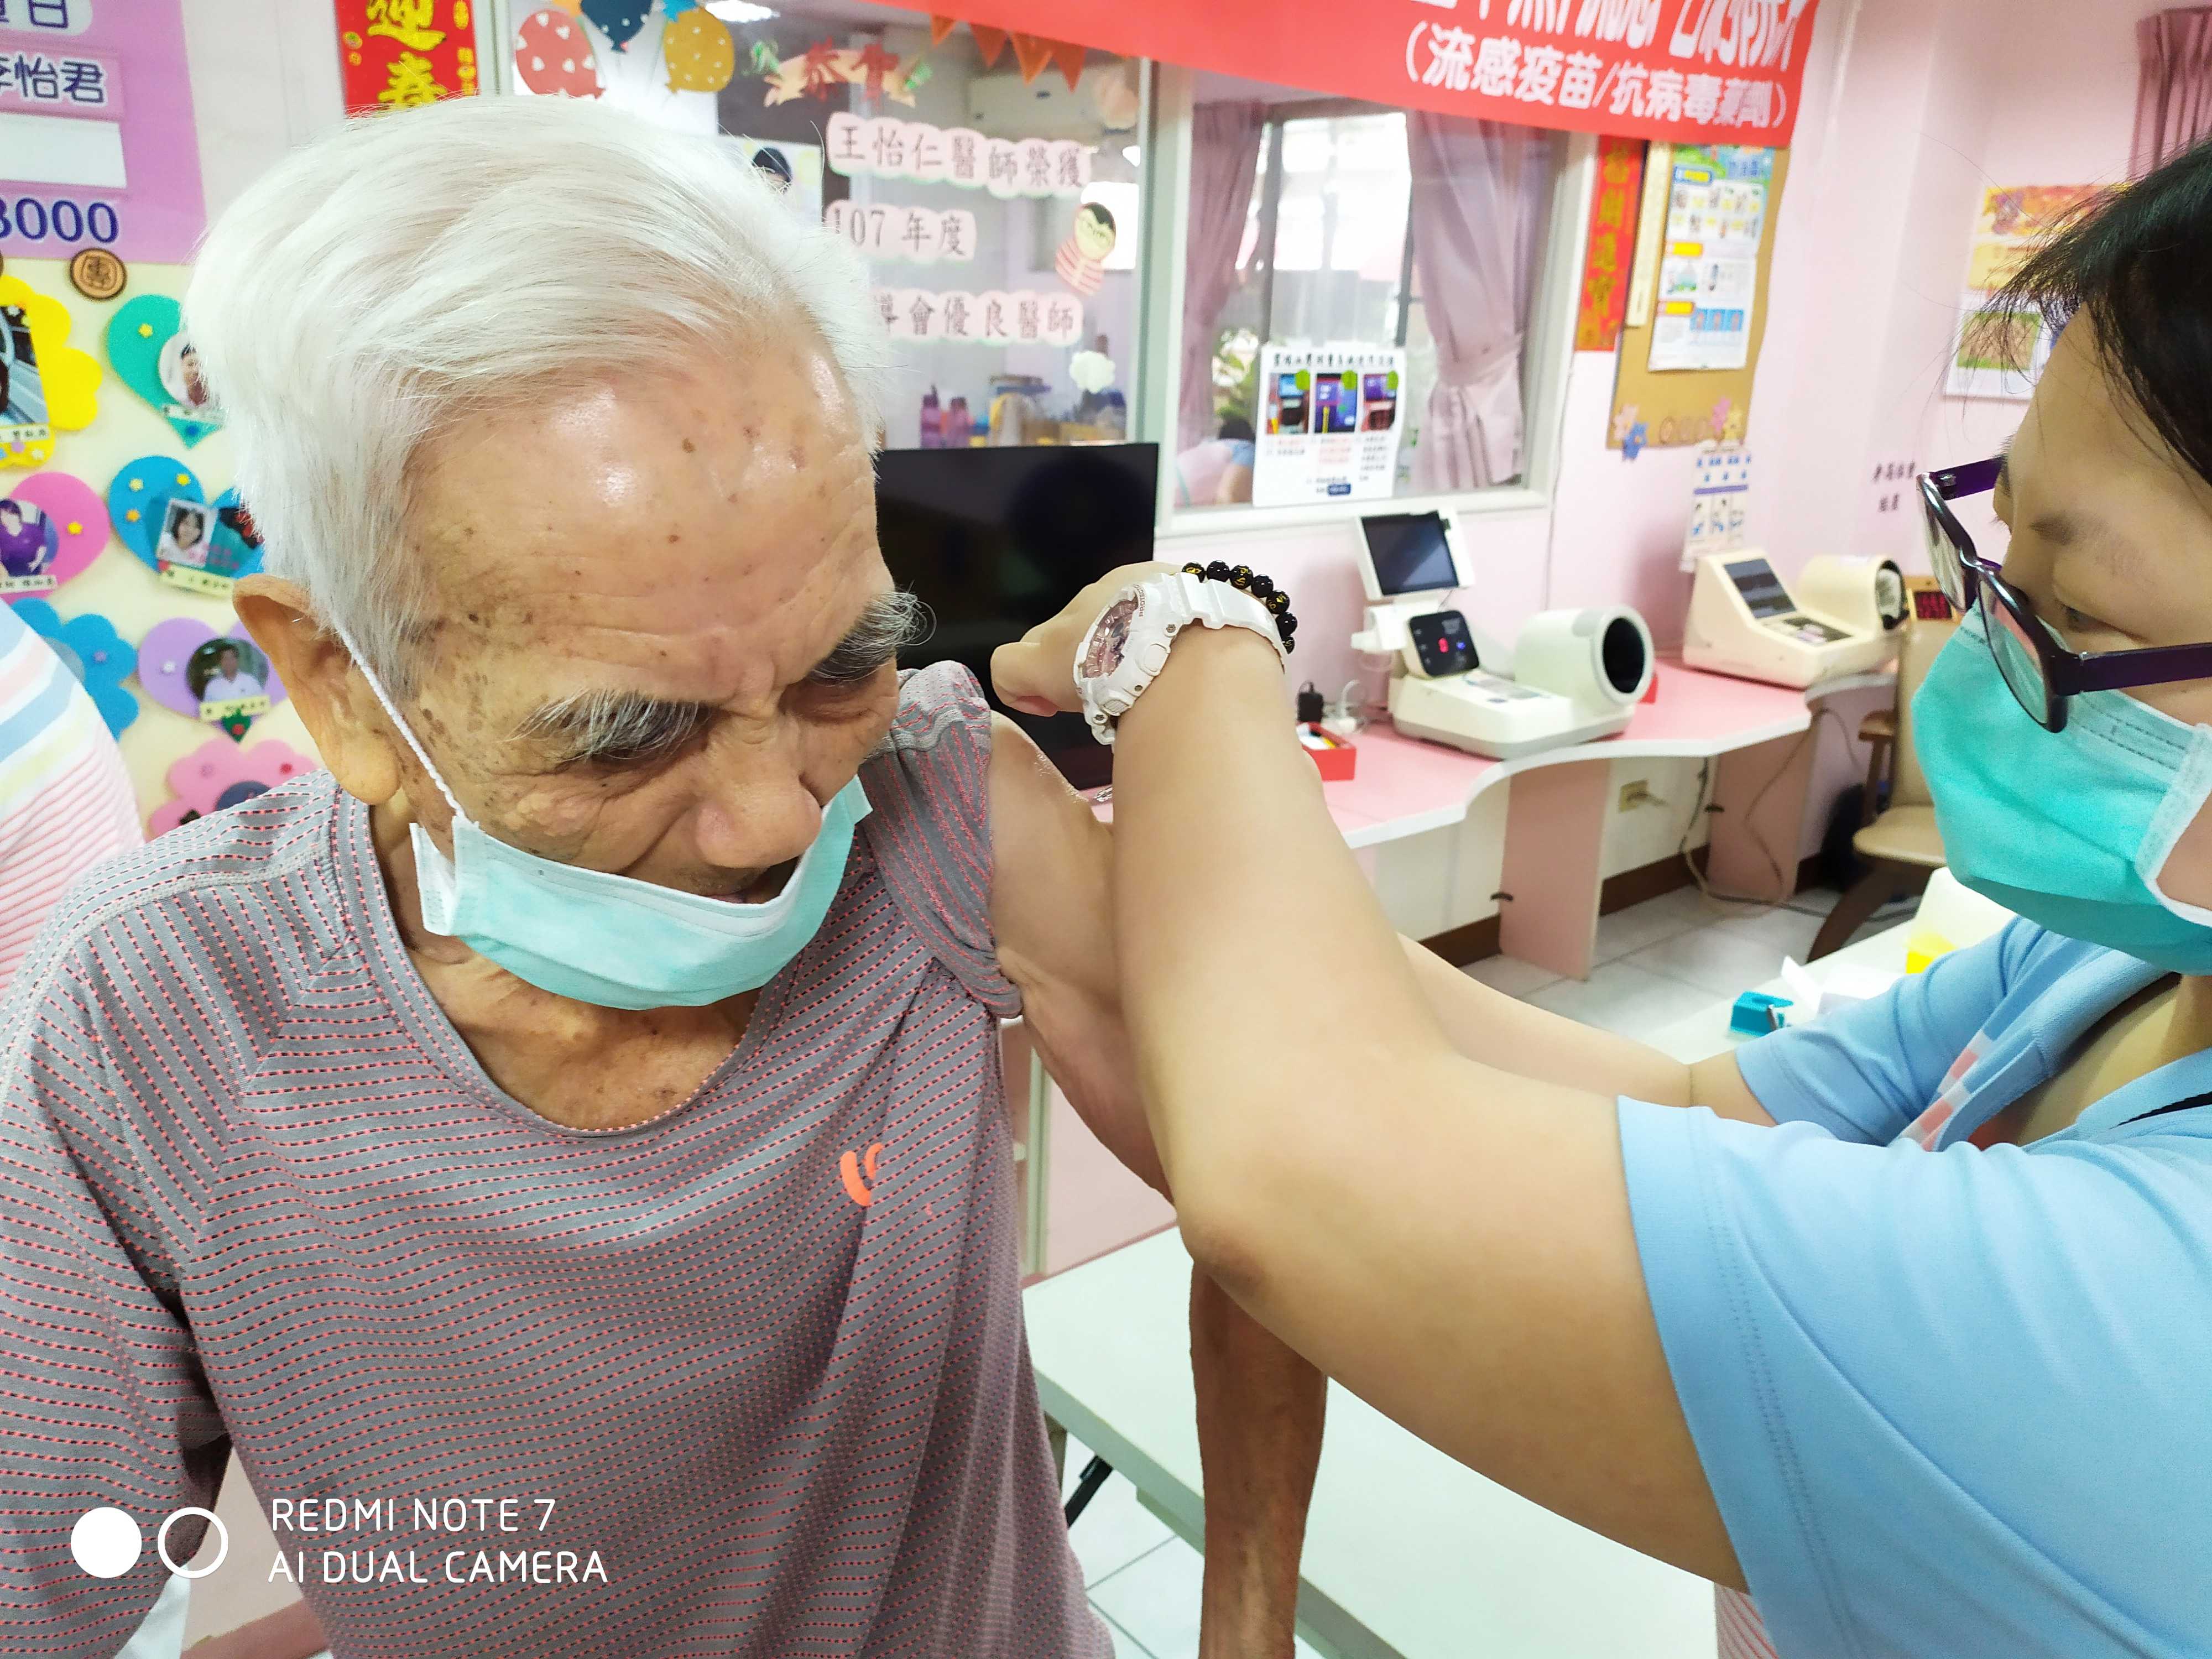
392 54
1613 206
1703 71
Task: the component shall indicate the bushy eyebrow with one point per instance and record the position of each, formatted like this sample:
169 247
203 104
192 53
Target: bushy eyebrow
891 621
614 726
626 727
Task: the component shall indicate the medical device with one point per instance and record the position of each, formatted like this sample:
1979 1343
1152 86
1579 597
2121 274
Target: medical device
1744 622
1575 675
1866 594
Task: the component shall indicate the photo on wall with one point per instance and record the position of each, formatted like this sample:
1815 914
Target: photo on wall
29 540
23 394
185 383
230 677
184 536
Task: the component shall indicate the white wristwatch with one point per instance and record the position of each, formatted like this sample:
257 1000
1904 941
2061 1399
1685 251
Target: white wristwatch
1127 646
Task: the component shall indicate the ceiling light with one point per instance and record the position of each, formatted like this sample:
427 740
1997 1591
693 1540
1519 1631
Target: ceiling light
740 11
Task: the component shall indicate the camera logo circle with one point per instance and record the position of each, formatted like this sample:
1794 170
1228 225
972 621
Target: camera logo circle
107 1542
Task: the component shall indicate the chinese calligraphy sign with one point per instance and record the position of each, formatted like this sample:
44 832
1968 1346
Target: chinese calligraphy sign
394 53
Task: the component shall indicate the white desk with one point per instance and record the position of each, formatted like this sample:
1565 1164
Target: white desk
1409 1554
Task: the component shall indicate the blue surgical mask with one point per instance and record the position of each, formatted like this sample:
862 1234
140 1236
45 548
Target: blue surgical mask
611 940
2070 828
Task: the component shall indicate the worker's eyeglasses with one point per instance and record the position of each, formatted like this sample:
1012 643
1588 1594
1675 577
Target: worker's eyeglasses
2041 671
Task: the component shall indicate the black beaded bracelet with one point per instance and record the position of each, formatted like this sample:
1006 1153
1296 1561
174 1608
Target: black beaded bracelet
1245 579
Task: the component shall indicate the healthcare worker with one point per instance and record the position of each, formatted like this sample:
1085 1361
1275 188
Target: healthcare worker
1901 1320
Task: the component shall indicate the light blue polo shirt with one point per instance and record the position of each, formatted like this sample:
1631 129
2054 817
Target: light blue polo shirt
1953 1402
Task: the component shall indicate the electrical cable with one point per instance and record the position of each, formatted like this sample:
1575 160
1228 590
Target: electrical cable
1750 817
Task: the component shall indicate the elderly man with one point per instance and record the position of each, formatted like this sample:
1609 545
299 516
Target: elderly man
562 1147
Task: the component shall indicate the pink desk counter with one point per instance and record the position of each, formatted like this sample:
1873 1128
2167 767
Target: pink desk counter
1556 813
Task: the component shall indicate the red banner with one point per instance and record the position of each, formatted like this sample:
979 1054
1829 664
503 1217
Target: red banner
1702 71
396 52
1613 206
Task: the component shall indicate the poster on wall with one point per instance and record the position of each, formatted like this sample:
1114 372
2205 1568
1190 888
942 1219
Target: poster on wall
1996 353
1709 273
395 53
1329 423
97 146
1715 71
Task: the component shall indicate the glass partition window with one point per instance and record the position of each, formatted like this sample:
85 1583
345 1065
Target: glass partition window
1350 212
997 203
998 215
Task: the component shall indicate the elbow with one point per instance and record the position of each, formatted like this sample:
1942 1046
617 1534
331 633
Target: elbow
1224 1227
1224 1244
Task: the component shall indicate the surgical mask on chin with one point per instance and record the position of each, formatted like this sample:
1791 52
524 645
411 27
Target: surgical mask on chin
2069 828
611 940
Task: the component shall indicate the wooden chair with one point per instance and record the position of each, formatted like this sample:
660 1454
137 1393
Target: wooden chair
1901 840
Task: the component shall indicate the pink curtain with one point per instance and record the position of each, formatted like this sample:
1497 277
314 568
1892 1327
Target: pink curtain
2173 95
1480 189
1224 149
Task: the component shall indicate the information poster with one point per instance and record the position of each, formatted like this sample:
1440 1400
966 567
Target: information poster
97 144
1709 273
1997 352
1720 492
1328 423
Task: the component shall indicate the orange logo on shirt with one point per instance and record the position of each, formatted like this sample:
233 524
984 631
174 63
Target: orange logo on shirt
860 1192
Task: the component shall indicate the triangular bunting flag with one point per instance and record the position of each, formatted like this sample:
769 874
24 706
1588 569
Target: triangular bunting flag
1069 57
1032 54
989 41
941 26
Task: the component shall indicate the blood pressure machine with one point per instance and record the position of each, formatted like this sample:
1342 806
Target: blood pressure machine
1576 675
1744 622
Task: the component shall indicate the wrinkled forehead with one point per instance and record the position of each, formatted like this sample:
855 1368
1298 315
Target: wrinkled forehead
710 531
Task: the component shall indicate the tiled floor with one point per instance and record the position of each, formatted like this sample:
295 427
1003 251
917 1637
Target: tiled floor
1142 1578
1656 962
1667 958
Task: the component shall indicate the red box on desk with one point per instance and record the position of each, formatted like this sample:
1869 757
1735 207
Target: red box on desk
1335 765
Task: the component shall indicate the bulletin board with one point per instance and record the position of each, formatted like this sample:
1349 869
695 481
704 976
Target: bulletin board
133 634
1689 406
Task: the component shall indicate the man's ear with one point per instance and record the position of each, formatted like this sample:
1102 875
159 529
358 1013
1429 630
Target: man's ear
340 713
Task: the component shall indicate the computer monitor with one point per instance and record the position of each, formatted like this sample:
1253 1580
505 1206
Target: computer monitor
997 540
1403 555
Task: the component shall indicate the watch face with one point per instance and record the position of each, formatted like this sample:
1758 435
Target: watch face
1109 638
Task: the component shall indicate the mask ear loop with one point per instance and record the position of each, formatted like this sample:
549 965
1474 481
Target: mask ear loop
391 712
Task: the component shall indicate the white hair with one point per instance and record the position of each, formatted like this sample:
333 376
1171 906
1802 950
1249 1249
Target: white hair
415 269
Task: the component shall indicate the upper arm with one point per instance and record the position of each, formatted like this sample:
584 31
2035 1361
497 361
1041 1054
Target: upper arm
1947 1402
1051 910
102 1399
1051 874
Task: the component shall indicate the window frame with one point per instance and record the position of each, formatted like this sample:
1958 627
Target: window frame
1165 107
1166 121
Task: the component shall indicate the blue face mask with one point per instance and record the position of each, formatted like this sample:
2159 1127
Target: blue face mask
2069 828
611 939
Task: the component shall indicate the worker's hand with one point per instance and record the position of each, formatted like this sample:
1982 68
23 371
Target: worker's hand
1037 673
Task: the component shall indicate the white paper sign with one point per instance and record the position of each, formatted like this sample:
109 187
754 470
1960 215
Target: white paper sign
1328 426
919 235
1720 490
887 148
995 317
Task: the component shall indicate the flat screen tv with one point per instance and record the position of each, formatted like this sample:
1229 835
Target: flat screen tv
996 541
